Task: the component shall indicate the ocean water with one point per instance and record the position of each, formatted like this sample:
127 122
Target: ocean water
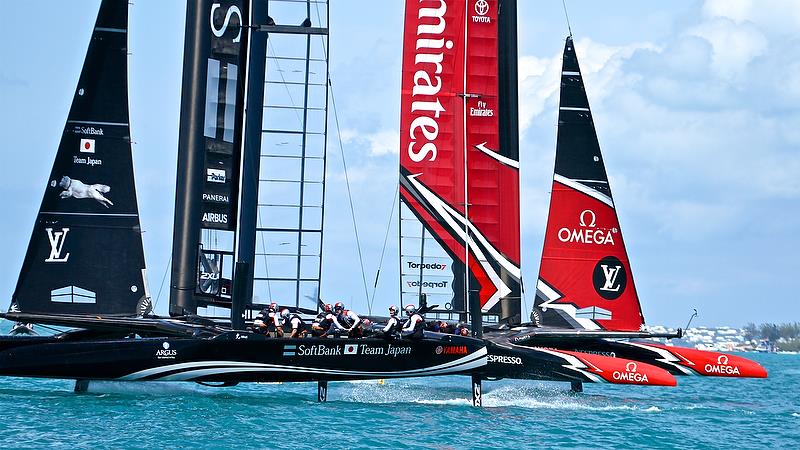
410 413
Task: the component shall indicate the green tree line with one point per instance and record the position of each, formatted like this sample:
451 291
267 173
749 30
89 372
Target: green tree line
772 331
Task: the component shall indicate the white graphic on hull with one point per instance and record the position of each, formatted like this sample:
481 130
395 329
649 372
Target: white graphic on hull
206 368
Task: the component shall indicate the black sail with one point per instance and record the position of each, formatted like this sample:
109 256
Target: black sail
85 255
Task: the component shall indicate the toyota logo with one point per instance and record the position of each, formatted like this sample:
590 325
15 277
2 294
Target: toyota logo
481 7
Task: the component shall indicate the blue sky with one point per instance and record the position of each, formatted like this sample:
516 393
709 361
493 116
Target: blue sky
695 103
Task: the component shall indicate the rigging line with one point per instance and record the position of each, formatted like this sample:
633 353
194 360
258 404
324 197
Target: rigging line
383 250
163 279
564 2
283 80
264 251
350 196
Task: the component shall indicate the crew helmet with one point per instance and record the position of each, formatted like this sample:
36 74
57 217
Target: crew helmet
327 308
411 309
285 313
273 306
338 307
393 310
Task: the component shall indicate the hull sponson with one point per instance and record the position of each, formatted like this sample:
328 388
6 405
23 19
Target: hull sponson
506 360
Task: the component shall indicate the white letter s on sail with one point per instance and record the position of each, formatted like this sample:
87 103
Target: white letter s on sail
231 11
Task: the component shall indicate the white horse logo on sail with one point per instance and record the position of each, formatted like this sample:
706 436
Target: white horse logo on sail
78 189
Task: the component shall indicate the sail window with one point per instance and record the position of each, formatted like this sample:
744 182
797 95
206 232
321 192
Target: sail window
72 294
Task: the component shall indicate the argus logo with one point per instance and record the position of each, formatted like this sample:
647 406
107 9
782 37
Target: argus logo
165 352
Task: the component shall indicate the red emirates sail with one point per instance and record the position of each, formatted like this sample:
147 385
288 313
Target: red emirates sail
585 279
455 179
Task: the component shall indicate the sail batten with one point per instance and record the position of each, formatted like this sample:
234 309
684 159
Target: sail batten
85 255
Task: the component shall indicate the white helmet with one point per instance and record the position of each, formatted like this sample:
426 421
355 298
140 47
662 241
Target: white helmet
410 310
393 310
285 313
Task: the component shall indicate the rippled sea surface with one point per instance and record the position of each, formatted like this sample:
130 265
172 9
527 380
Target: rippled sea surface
428 413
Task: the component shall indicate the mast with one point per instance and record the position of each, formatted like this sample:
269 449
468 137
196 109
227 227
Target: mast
251 164
209 152
508 100
186 230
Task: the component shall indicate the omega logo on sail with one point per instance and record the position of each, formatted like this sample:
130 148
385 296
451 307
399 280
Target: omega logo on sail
425 104
587 233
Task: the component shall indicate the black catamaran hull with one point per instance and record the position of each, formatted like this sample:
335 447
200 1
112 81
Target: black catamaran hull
238 357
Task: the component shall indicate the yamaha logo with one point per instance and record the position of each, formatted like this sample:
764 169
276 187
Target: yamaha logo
439 350
609 278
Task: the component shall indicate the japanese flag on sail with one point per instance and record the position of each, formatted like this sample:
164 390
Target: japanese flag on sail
351 349
87 145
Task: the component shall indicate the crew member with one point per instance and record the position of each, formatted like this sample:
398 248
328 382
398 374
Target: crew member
261 320
296 323
415 323
393 326
346 320
323 322
273 321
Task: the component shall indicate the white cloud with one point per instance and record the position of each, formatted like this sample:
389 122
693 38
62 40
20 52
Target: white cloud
735 44
782 16
382 142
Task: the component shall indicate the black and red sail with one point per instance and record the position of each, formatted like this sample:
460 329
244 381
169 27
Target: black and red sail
459 189
585 280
